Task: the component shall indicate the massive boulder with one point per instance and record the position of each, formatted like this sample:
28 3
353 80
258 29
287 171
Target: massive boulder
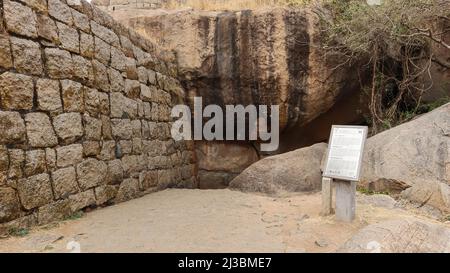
295 171
263 57
412 159
415 152
408 235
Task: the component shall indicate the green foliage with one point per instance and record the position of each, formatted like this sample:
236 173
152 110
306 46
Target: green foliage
18 232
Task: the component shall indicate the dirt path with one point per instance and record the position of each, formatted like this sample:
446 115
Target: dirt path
178 220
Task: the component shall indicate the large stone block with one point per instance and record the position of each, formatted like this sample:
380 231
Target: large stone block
102 50
83 70
93 128
64 182
5 52
106 128
35 162
105 34
53 212
128 189
118 59
91 173
12 128
68 127
116 80
122 107
46 28
40 131
50 158
81 21
35 191
91 148
16 161
86 45
48 95
20 19
122 129
68 37
100 76
148 179
108 151
115 172
82 200
59 10
105 193
132 89
72 94
16 91
59 63
27 56
69 155
96 103
9 205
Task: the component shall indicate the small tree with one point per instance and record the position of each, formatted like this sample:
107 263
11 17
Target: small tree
398 39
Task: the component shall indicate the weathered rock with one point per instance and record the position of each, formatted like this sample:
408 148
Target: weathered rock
223 160
69 155
55 211
378 200
9 205
16 91
91 148
102 50
81 21
72 94
16 161
91 173
416 152
68 127
298 170
48 95
35 191
60 11
12 128
93 128
46 28
101 76
68 37
122 129
105 193
50 158
35 162
4 164
115 172
86 45
434 194
82 200
148 179
40 131
64 182
83 70
59 63
105 34
5 52
27 56
128 189
400 236
20 19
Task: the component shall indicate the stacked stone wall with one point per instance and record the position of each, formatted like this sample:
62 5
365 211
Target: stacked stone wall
84 113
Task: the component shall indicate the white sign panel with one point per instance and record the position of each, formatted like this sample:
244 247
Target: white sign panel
345 152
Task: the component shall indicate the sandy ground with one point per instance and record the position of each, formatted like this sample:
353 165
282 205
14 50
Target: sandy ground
177 220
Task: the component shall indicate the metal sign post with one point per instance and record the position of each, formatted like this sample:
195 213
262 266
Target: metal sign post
343 165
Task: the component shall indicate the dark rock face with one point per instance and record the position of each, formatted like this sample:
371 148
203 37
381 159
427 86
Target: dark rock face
261 57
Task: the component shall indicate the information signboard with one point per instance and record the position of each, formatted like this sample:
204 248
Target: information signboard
345 151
